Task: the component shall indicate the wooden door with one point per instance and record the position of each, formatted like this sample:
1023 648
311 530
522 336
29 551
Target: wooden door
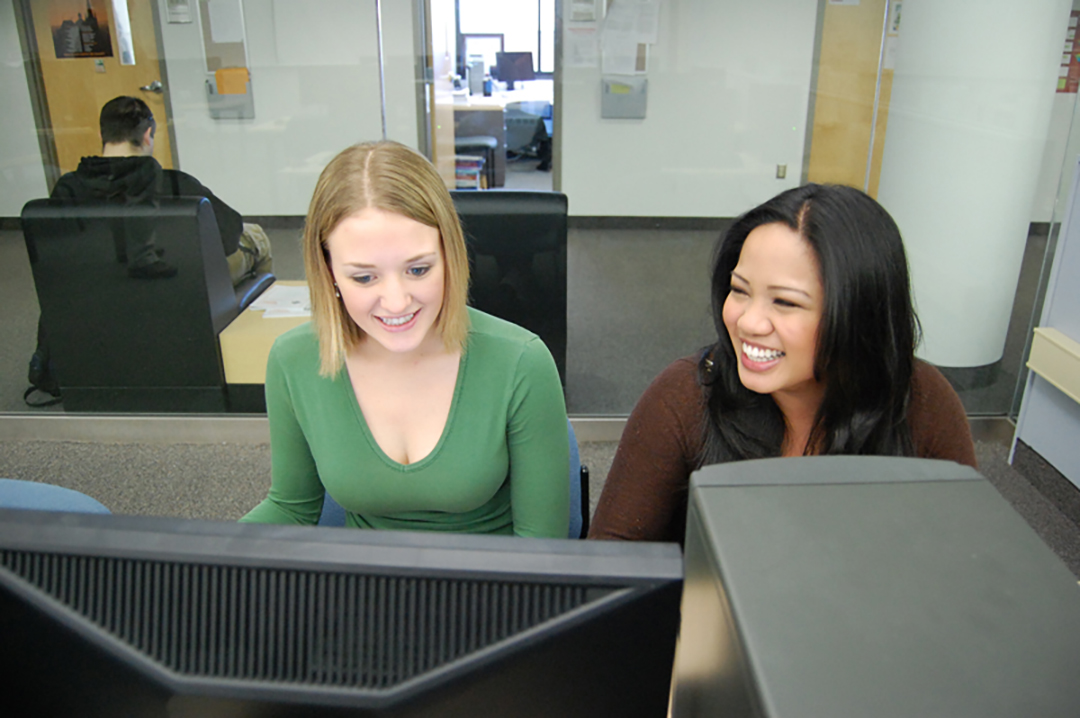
77 87
844 105
442 40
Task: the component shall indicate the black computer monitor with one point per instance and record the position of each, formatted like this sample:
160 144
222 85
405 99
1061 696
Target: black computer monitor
139 616
514 66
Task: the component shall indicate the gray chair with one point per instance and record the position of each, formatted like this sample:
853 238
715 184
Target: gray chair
119 343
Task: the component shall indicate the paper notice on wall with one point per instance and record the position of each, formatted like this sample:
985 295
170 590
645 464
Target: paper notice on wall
582 10
123 32
226 21
620 55
638 20
647 22
581 46
178 11
892 44
892 36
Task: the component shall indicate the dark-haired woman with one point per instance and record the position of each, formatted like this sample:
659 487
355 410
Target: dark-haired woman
814 354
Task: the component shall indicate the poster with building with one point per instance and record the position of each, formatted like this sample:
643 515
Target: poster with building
80 28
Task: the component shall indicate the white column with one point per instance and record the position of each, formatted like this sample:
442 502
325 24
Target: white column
971 99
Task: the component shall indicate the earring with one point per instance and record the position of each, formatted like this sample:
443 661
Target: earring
337 293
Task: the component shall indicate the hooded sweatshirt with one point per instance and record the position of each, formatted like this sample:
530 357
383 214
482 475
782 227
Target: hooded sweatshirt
141 180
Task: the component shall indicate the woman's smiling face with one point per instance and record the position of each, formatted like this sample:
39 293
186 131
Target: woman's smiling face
389 271
773 311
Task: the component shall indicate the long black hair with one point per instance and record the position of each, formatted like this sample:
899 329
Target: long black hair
866 339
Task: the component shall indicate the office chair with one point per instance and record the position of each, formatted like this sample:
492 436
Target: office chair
124 343
517 260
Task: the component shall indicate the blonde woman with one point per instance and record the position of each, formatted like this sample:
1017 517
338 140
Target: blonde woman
412 410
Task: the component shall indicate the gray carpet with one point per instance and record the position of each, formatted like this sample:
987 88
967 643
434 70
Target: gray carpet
223 481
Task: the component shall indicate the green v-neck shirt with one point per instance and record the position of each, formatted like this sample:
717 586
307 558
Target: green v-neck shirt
501 465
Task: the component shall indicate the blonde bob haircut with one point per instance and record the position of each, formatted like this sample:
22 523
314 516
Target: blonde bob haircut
394 178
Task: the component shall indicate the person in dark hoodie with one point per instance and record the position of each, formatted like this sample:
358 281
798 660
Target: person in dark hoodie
127 172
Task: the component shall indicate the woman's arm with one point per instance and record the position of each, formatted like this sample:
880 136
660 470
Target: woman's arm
644 497
296 493
538 442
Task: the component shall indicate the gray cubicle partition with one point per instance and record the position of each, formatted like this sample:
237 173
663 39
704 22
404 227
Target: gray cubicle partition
870 586
1049 419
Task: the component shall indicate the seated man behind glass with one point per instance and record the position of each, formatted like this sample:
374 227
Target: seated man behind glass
127 172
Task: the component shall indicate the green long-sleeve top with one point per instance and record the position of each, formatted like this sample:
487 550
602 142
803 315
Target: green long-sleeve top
501 465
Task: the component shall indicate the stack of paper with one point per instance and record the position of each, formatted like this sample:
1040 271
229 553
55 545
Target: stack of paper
283 301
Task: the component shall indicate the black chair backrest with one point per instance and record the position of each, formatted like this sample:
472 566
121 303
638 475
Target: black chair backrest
121 343
517 254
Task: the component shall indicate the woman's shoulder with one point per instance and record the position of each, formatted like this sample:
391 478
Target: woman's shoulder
928 383
299 341
487 327
490 336
677 385
936 417
683 372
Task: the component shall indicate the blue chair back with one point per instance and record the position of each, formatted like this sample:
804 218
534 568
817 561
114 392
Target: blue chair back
19 494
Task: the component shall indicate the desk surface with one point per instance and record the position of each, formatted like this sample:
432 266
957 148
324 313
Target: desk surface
246 342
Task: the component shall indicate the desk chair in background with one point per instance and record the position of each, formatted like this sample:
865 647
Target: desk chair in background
517 260
530 129
120 343
334 515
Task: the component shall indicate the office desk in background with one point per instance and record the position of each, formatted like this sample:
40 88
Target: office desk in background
245 348
476 115
483 117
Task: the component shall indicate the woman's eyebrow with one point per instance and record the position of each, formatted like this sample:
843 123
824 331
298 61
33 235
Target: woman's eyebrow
786 288
410 260
774 287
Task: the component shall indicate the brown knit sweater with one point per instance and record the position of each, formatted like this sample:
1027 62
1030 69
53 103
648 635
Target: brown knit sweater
644 497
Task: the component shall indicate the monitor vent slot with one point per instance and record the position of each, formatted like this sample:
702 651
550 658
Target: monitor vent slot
295 626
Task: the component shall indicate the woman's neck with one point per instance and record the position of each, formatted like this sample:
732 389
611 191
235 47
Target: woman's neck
371 352
800 411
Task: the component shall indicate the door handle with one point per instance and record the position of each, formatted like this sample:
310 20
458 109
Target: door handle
154 86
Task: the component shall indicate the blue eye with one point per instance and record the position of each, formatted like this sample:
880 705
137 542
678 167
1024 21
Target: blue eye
418 271
362 279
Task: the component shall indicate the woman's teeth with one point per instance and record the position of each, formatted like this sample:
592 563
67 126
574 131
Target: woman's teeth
758 354
397 321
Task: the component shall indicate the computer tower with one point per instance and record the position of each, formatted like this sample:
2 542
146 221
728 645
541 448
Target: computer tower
869 586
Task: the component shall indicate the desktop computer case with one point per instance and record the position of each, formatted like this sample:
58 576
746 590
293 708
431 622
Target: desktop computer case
869 586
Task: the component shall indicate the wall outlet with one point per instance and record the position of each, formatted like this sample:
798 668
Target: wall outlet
781 171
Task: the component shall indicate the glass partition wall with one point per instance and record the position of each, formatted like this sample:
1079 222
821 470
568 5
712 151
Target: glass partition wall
669 118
